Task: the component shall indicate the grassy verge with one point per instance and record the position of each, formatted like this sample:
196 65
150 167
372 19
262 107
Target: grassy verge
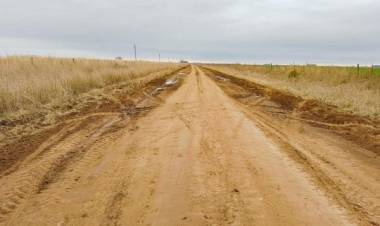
353 91
28 83
37 92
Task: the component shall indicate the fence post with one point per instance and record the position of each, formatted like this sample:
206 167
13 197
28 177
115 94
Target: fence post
358 69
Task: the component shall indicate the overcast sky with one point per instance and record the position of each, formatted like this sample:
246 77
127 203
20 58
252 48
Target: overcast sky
248 31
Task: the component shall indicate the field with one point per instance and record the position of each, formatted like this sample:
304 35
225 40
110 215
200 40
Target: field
96 142
344 87
28 83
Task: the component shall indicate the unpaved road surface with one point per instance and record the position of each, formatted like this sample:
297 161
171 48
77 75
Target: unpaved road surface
199 158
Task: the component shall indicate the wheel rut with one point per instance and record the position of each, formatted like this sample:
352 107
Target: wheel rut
197 155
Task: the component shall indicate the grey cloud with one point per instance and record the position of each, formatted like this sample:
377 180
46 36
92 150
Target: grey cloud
280 31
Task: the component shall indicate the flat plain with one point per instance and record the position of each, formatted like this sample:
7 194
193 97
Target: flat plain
181 144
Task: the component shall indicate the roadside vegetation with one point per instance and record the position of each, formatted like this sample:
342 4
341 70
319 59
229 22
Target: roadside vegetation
28 83
38 92
349 88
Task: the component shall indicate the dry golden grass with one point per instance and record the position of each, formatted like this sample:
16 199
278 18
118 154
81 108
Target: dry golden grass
28 83
339 86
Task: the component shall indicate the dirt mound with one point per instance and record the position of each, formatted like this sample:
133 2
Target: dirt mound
314 109
286 100
362 130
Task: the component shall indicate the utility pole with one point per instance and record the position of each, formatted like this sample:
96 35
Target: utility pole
135 50
159 57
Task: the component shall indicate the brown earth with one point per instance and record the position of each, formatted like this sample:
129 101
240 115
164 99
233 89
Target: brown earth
195 157
15 149
362 130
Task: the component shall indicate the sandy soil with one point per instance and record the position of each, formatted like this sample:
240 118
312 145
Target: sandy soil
199 158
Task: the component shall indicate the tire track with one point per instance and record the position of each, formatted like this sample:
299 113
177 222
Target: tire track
44 170
114 207
336 182
73 156
197 159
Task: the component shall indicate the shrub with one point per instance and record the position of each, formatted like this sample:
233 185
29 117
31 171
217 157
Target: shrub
293 74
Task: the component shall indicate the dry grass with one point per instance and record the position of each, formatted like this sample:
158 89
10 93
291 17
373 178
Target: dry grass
29 83
343 87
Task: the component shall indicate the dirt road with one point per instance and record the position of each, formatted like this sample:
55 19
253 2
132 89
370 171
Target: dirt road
199 158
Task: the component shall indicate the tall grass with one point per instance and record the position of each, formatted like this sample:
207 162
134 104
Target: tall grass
30 82
350 89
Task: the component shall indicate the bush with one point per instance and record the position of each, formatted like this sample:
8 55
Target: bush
293 74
